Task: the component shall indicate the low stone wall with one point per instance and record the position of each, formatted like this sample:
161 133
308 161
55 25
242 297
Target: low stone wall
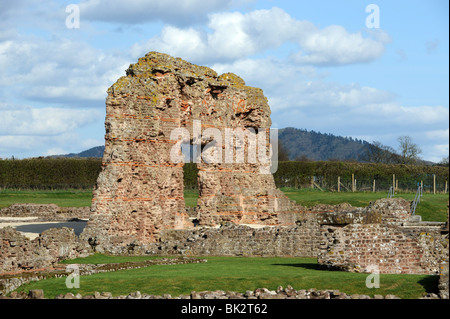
47 212
259 293
18 253
388 242
359 248
232 240
301 240
443 280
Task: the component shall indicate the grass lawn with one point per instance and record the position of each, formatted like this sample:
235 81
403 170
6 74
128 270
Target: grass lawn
190 198
232 274
62 198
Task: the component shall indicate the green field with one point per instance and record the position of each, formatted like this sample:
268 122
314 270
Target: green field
62 198
232 274
433 207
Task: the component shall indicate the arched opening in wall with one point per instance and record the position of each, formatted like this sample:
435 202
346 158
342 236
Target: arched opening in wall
190 179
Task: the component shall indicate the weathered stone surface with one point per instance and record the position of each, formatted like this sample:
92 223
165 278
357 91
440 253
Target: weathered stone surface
443 280
259 293
62 243
240 240
36 294
385 242
45 211
139 192
18 253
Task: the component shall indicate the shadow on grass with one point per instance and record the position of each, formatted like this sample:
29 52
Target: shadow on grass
301 265
430 284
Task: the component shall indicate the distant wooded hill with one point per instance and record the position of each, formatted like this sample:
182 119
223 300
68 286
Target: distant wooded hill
92 152
309 145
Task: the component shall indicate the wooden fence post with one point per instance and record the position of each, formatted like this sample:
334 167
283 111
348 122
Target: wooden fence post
434 183
393 181
353 182
373 187
445 190
339 184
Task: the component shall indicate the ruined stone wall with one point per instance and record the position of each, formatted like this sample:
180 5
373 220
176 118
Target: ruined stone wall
300 240
358 247
443 280
163 101
18 253
387 241
45 211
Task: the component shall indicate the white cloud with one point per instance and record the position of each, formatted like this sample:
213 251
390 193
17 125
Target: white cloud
188 43
435 152
438 134
22 146
288 86
58 70
302 97
29 131
90 143
55 151
234 35
141 11
48 121
11 9
412 116
335 46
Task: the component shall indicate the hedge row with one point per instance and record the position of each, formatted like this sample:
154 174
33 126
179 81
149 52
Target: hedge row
78 173
51 173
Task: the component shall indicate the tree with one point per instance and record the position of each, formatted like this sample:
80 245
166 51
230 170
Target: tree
379 153
409 151
444 162
302 158
283 155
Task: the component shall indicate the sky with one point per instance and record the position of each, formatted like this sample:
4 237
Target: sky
373 70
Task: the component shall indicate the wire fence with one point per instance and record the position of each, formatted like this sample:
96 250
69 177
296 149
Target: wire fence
430 183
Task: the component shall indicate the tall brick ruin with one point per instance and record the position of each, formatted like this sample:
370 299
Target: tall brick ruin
161 102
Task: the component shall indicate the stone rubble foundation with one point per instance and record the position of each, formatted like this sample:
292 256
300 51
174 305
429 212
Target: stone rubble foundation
259 293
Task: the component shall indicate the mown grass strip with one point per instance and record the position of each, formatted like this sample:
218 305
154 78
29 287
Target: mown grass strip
62 198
